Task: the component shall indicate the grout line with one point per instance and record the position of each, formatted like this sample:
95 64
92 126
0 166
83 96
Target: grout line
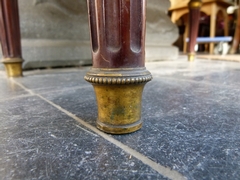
16 97
165 171
46 91
50 91
86 131
66 89
197 82
49 72
23 87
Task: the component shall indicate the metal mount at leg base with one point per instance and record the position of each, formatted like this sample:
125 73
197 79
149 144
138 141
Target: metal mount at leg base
13 66
191 57
119 98
121 129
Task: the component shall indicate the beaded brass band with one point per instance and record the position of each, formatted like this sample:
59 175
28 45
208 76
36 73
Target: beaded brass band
118 76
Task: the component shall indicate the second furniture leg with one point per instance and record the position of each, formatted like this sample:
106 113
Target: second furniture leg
10 37
194 17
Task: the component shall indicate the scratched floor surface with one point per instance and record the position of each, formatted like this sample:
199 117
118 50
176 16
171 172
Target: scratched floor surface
191 130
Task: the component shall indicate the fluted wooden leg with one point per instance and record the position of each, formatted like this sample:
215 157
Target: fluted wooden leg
194 16
118 74
236 39
10 37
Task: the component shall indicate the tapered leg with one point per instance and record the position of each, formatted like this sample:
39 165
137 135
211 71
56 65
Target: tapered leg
236 39
194 16
10 37
118 74
186 34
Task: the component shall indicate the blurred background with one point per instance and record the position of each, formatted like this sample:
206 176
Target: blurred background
55 33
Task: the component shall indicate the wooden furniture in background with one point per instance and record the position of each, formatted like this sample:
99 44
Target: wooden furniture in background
210 8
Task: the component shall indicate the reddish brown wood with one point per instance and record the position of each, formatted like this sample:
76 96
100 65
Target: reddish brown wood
194 17
9 29
117 33
236 39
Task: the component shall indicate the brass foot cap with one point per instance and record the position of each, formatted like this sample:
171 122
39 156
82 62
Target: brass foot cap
119 108
191 57
13 66
119 96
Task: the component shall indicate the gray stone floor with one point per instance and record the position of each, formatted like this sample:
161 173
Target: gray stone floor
191 114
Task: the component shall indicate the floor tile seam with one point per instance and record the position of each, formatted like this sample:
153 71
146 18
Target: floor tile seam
162 170
32 91
16 97
54 72
22 86
199 82
62 90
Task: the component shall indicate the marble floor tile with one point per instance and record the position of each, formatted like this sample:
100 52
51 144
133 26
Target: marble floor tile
54 80
9 90
191 115
39 142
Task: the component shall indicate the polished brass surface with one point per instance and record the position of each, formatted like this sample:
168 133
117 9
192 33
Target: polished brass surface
191 57
13 66
119 107
195 4
119 96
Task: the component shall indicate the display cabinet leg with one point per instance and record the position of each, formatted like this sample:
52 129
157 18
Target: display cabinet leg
118 74
10 37
194 17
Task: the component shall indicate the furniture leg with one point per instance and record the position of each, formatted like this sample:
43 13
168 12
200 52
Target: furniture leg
236 38
185 36
10 37
118 74
194 15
